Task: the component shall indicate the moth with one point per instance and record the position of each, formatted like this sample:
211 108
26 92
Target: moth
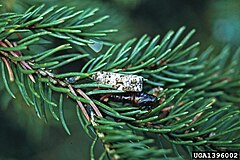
124 82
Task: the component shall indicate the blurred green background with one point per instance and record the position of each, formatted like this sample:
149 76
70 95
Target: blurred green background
24 136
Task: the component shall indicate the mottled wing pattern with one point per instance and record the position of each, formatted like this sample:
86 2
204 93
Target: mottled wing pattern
124 82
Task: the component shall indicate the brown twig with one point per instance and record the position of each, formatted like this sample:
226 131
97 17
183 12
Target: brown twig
80 103
27 66
24 64
91 102
10 72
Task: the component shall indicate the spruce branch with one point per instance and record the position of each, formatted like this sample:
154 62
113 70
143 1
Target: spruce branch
197 105
62 23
